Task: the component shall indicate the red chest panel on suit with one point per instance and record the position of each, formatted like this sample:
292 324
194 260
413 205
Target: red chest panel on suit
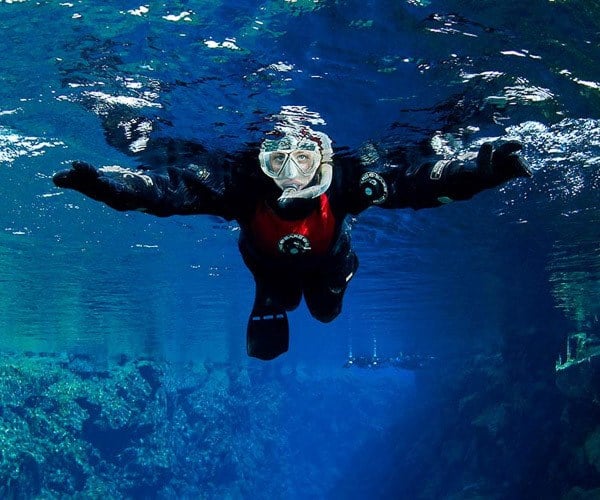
311 235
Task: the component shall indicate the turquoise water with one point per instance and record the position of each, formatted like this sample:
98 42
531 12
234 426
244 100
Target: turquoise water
79 279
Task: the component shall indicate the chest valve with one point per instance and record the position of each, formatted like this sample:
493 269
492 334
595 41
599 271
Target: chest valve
373 187
294 244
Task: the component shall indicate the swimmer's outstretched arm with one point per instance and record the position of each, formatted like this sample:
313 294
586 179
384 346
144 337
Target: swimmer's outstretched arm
439 181
170 191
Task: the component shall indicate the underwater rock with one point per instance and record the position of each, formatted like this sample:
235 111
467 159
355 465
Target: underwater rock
71 427
592 449
84 366
580 380
490 421
23 481
492 418
111 439
578 493
151 374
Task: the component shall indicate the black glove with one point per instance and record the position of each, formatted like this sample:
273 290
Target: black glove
77 177
118 189
81 177
461 180
496 166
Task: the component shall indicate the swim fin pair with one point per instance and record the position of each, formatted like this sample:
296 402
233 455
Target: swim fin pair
268 333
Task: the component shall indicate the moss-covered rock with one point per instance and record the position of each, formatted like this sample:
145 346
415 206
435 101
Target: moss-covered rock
69 428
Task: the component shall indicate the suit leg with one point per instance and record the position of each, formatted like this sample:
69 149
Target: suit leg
324 290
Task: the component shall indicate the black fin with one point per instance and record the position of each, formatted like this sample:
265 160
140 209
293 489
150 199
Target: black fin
268 334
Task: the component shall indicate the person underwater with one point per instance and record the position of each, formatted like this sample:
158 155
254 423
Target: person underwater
292 201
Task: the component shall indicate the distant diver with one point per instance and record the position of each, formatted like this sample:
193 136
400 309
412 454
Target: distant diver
401 361
291 201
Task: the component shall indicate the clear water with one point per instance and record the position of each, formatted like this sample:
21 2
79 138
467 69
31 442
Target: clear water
78 277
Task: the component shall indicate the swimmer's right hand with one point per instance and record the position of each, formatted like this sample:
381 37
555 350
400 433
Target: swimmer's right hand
95 183
81 177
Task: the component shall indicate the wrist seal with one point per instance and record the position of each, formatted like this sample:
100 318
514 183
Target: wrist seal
438 169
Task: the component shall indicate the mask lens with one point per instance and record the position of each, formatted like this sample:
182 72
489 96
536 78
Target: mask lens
305 160
276 161
291 163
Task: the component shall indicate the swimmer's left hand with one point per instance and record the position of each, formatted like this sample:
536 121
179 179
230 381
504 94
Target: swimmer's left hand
500 164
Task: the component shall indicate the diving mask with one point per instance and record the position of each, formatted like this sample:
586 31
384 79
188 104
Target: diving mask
289 164
298 163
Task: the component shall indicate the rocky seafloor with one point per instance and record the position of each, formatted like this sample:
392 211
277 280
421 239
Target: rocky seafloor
489 427
71 428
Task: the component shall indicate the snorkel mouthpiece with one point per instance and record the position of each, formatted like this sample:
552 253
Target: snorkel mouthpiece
324 177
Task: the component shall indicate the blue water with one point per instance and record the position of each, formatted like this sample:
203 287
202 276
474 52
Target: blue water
79 278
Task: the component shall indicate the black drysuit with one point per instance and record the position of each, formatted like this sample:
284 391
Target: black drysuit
299 246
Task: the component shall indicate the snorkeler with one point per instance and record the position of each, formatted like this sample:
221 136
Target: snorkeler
292 201
401 361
